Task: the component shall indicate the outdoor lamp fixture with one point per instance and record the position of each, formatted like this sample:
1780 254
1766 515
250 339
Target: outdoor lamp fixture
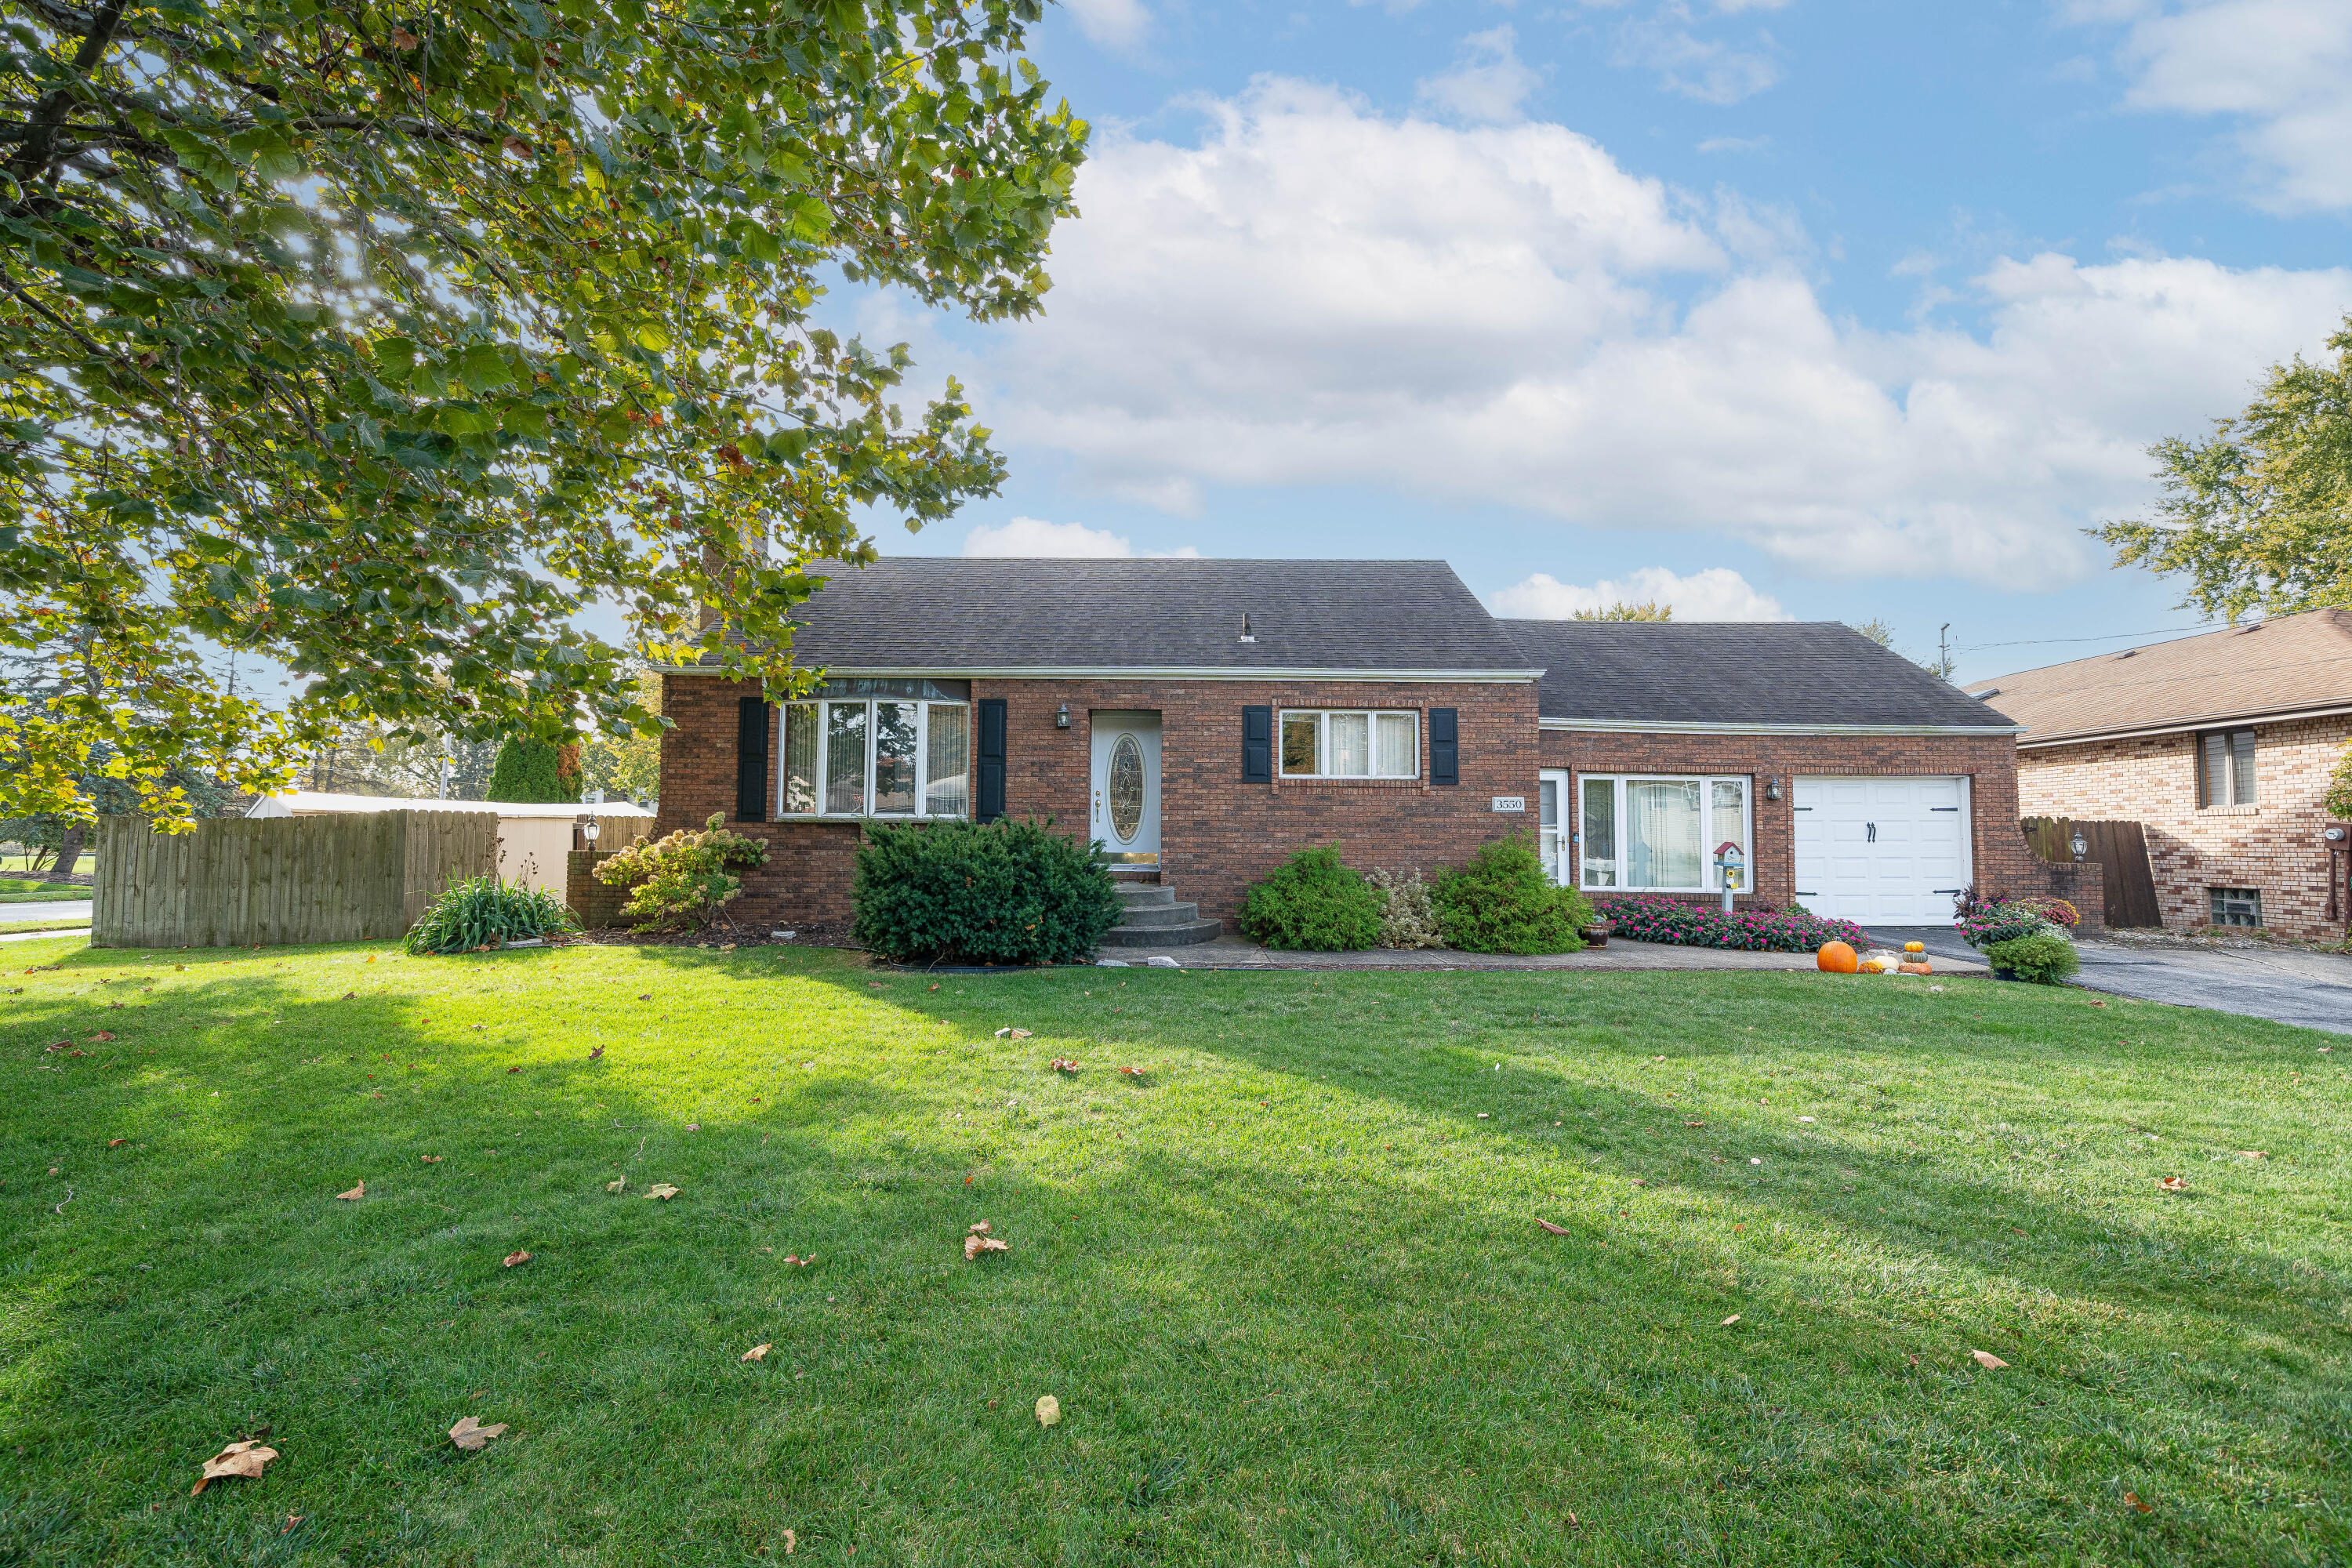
2079 844
1772 788
1062 718
589 830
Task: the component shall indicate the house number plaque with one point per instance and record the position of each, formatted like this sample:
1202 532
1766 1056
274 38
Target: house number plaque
1510 802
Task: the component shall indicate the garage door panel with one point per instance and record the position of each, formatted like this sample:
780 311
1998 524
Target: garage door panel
1886 851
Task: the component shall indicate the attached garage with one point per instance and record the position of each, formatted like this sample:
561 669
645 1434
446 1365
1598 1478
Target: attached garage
1881 851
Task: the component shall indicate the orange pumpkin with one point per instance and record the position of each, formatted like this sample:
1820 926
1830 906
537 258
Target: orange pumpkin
1837 958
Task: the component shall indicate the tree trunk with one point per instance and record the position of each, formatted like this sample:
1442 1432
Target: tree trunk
69 851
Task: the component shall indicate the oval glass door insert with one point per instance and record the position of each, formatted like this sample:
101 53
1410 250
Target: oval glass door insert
1126 787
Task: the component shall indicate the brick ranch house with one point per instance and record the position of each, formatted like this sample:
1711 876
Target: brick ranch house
1205 719
2218 745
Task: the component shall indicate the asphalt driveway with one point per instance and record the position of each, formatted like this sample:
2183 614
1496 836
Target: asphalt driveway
2288 984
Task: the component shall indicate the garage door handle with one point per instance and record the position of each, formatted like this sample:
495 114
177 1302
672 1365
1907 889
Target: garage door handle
1802 893
1874 831
1943 890
1943 808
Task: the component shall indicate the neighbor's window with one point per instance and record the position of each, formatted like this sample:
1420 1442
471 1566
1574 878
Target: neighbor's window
1349 743
1652 835
900 752
2225 768
2236 906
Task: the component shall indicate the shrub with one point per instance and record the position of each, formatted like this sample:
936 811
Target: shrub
1759 928
482 912
2045 957
1408 919
681 879
1984 920
2057 911
1499 900
535 770
1313 902
980 892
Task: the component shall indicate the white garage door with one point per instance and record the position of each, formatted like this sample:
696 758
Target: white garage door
1881 851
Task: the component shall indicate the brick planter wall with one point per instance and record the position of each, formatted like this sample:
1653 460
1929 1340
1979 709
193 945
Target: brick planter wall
2274 845
598 906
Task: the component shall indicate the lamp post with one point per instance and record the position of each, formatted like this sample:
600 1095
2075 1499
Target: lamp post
2079 844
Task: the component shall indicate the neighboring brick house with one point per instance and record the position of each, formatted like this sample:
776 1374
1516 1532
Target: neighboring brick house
2218 745
1205 719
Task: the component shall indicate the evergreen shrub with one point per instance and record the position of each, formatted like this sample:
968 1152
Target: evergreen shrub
2045 957
535 772
980 892
1499 900
1313 903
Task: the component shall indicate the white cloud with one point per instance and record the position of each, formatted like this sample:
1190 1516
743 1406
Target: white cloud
1735 144
1716 594
1120 26
2279 67
1488 81
1316 294
1707 69
1032 537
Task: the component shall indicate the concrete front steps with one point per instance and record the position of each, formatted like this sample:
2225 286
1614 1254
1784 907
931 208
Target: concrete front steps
1154 918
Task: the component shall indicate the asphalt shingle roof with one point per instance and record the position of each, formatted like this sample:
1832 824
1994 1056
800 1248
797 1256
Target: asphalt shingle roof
2294 663
946 615
1774 673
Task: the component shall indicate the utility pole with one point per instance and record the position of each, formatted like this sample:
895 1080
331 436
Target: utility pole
1944 651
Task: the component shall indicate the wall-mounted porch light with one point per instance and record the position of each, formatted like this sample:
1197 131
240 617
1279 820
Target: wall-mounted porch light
1062 718
1772 788
2079 844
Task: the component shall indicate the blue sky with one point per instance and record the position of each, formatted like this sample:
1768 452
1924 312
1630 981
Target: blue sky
1775 307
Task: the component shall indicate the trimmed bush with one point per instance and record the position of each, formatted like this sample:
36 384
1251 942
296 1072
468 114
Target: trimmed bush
1408 917
535 772
980 892
1650 917
681 879
2045 958
1499 900
482 912
1313 903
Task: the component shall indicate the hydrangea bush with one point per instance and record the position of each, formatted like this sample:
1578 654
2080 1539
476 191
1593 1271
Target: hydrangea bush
1653 916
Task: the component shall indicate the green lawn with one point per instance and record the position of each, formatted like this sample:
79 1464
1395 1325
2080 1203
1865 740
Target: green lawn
31 890
1288 1287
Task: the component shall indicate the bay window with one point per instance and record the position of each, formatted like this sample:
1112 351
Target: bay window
1349 743
878 747
1661 835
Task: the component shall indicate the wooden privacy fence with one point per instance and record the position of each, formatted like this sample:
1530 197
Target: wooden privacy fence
346 877
2120 850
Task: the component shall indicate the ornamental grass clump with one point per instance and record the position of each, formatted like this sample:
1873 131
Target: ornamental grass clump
1759 928
1313 903
484 912
1408 917
681 879
980 892
1499 900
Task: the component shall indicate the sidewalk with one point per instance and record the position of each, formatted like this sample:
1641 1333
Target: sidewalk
1239 953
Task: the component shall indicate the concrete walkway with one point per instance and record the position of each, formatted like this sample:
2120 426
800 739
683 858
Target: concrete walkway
1239 953
48 909
2288 985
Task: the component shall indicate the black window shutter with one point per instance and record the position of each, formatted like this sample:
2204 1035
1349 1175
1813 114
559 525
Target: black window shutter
1257 745
991 759
1445 747
751 760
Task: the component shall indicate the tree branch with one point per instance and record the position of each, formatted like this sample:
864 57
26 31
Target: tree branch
33 157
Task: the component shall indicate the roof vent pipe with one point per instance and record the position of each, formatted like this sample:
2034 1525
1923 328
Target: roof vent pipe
1247 635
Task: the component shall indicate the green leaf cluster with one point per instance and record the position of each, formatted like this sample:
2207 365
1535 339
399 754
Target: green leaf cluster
2258 516
2045 958
1499 900
1314 902
482 912
371 346
534 771
980 892
682 878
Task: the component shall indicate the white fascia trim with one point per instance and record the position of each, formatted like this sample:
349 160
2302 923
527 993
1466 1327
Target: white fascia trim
2211 722
1684 726
933 671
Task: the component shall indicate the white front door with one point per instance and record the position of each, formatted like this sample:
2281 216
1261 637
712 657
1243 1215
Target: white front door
1125 814
1881 851
1555 828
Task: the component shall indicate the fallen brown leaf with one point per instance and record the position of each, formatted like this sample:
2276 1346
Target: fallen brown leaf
1064 1064
620 1185
355 1194
1555 1229
116 1142
2133 1499
1135 1072
1729 1322
244 1459
515 1259
1986 1360
1009 1034
597 1053
2252 1154
514 1070
1049 1410
758 1352
102 1035
470 1434
430 1158
791 1543
2171 1185
973 1246
663 1191
291 1521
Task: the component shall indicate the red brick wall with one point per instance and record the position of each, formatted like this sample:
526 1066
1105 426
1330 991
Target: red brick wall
2274 845
1217 834
2001 861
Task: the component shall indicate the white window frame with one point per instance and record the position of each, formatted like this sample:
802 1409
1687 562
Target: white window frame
1371 716
1713 881
865 810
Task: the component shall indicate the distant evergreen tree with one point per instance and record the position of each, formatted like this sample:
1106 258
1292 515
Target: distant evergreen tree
535 770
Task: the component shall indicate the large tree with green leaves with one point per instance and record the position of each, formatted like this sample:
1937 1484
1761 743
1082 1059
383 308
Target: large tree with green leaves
378 339
2258 516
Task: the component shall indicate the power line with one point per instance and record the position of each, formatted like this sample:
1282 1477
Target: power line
2108 637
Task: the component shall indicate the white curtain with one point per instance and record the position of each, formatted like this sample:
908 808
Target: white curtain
1399 755
1350 740
1663 834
